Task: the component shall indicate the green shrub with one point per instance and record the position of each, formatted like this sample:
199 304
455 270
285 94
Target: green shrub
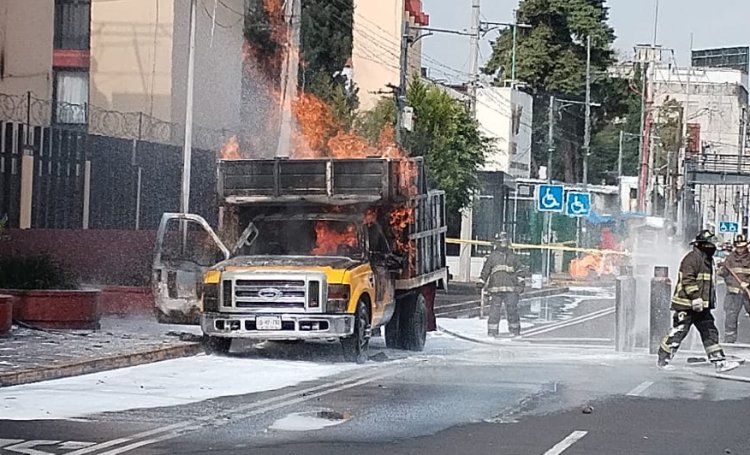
35 272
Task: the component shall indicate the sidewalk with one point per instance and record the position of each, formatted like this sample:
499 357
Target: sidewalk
28 355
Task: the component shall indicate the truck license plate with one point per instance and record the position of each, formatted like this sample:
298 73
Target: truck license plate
268 323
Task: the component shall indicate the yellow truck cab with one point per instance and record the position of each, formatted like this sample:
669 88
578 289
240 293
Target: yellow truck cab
320 249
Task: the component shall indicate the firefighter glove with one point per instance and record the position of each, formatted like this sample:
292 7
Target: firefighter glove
698 304
744 285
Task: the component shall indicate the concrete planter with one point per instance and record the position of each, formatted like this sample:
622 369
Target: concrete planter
6 313
53 309
126 301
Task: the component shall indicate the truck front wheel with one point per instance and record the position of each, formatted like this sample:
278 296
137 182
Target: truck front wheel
356 346
216 345
413 323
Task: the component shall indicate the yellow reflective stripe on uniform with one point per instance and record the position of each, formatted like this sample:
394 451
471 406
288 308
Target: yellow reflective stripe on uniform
733 289
703 277
692 288
740 270
502 268
713 348
501 289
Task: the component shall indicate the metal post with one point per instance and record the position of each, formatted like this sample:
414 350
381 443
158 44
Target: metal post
188 145
661 294
546 255
619 157
515 41
625 302
86 194
587 129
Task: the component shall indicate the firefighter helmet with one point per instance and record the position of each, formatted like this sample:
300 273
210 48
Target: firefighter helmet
501 240
740 241
705 236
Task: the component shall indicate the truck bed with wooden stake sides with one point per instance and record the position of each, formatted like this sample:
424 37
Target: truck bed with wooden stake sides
314 249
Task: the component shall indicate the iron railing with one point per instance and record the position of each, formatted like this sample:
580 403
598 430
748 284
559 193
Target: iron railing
29 110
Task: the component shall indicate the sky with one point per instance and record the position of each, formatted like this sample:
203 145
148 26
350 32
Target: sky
716 23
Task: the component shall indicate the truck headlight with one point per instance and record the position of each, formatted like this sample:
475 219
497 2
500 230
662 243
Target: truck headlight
211 297
338 298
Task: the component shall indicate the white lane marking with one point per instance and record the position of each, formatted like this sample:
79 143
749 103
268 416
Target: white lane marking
563 445
570 322
73 445
28 447
304 397
9 442
640 389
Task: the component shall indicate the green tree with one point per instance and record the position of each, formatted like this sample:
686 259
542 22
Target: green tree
551 59
444 133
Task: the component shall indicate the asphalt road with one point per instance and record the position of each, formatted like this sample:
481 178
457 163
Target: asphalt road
456 397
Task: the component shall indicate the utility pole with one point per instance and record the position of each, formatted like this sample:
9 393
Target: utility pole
587 131
402 78
188 145
467 216
474 54
513 58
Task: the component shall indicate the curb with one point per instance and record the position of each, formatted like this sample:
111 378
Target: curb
67 370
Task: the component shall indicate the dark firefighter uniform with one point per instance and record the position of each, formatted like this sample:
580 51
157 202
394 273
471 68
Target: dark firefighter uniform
736 273
500 277
693 299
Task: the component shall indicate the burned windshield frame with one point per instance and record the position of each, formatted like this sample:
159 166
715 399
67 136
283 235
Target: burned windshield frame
253 232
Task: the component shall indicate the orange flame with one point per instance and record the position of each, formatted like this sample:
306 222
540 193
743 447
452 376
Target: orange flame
231 150
328 239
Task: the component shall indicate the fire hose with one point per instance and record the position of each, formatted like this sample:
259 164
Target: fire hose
747 291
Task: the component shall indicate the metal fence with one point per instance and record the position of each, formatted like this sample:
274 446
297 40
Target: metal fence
30 110
120 171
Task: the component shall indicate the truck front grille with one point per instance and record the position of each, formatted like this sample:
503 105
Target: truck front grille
275 294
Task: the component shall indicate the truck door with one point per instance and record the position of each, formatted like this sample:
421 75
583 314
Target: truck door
385 302
186 247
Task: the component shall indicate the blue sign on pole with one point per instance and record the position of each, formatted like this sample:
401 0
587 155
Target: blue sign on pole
578 204
550 198
729 227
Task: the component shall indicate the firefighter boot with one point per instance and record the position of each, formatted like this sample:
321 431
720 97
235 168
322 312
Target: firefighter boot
722 366
663 362
493 330
721 363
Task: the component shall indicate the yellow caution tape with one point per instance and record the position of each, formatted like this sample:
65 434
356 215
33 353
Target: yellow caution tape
552 246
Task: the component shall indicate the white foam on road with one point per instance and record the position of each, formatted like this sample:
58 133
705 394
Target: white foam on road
474 328
304 422
167 383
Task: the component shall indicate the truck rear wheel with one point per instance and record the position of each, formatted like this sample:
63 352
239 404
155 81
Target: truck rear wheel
393 338
357 346
413 322
216 345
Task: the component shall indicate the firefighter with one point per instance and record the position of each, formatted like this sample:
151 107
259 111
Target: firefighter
694 298
501 284
736 272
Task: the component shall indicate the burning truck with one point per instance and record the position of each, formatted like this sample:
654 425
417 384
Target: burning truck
312 249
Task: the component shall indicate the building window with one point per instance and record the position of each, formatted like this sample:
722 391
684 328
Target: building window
71 96
72 24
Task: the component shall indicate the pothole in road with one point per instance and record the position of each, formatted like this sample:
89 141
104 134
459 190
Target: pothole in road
309 421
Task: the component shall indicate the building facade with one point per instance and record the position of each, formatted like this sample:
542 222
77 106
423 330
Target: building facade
123 56
505 115
376 48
